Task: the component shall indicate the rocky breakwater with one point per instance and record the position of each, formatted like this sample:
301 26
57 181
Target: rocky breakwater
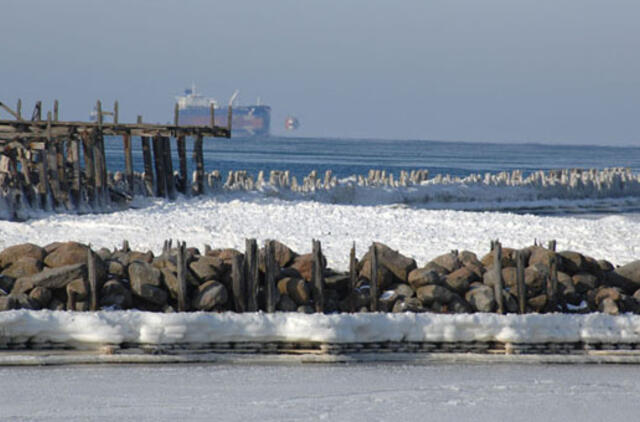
58 277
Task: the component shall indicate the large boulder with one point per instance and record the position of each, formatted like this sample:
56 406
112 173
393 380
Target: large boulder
584 282
481 298
449 261
384 276
13 253
573 262
68 253
422 277
430 294
23 267
508 258
297 289
212 295
460 279
540 255
304 265
629 276
146 282
207 268
116 295
395 262
51 278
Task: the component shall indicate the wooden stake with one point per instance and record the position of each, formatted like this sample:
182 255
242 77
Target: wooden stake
317 276
552 286
99 166
55 110
182 277
212 116
158 160
521 287
230 118
89 167
93 280
128 161
373 287
168 168
353 278
19 109
43 184
182 158
497 268
199 161
251 274
238 283
270 274
176 115
115 112
552 245
148 169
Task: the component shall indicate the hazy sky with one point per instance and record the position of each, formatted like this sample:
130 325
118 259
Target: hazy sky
565 71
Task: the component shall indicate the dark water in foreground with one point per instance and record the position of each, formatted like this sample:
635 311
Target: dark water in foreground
356 156
361 392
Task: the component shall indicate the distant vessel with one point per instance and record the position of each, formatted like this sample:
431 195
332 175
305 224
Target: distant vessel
247 121
291 123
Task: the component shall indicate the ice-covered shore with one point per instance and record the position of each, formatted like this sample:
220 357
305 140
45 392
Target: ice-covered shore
157 328
420 234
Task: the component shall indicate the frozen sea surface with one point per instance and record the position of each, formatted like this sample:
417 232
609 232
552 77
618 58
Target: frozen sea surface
360 392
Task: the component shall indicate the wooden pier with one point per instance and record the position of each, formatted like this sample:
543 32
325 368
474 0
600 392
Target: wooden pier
50 164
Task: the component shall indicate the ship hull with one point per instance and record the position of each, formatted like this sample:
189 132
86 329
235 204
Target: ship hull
247 121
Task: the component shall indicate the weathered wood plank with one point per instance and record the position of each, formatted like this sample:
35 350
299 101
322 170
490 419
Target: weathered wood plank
158 160
128 162
251 274
199 162
373 287
182 158
238 283
270 275
521 287
499 283
148 168
317 276
182 277
89 167
353 277
168 166
93 280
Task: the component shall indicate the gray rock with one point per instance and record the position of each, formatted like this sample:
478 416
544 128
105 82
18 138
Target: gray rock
538 303
434 293
572 262
412 304
403 290
605 266
212 295
397 263
458 305
116 268
51 278
481 298
384 275
422 277
439 269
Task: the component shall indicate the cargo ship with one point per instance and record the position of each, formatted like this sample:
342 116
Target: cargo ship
247 121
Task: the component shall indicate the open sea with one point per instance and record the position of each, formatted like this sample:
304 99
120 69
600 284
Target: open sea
346 157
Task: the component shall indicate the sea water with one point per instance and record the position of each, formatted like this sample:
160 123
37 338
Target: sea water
346 157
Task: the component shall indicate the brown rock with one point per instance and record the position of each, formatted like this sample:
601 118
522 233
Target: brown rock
68 253
609 306
540 255
460 279
538 303
432 266
535 278
13 253
434 293
116 268
8 303
140 256
384 275
508 258
584 282
449 261
607 292
225 254
422 277
304 265
42 295
212 295
573 262
481 298
114 294
297 289
23 267
630 273
208 268
52 278
146 282
605 265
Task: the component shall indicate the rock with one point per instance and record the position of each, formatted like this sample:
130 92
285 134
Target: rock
460 279
116 268
140 256
449 261
403 290
609 306
146 281
508 258
631 275
509 278
212 295
68 253
51 247
225 254
42 295
114 294
286 304
304 265
614 279
305 309
481 298
567 289
605 266
542 256
339 282
23 267
422 277
56 305
25 302
607 292
13 253
395 262
584 282
433 293
384 275
104 254
170 280
8 303
572 262
469 259
6 284
439 269
207 268
537 303
510 302
458 305
535 278
282 253
412 304
77 291
52 278
296 288
387 300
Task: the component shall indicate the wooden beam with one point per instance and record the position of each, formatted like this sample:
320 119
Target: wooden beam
199 161
182 158
128 162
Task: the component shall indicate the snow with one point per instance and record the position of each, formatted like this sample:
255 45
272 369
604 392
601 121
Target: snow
419 233
94 328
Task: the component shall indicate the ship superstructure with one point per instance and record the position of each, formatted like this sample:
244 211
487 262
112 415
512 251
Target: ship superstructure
247 121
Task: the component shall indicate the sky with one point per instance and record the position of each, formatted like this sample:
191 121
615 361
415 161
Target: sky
548 71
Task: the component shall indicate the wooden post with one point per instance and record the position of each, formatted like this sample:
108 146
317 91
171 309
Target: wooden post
43 184
19 109
552 245
89 167
115 113
353 278
552 286
212 116
373 287
99 165
128 161
270 274
229 118
199 161
55 110
168 168
52 165
182 158
182 277
148 169
176 115
37 112
99 113
317 276
521 287
497 268
251 273
125 246
25 169
238 283
158 160
93 280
